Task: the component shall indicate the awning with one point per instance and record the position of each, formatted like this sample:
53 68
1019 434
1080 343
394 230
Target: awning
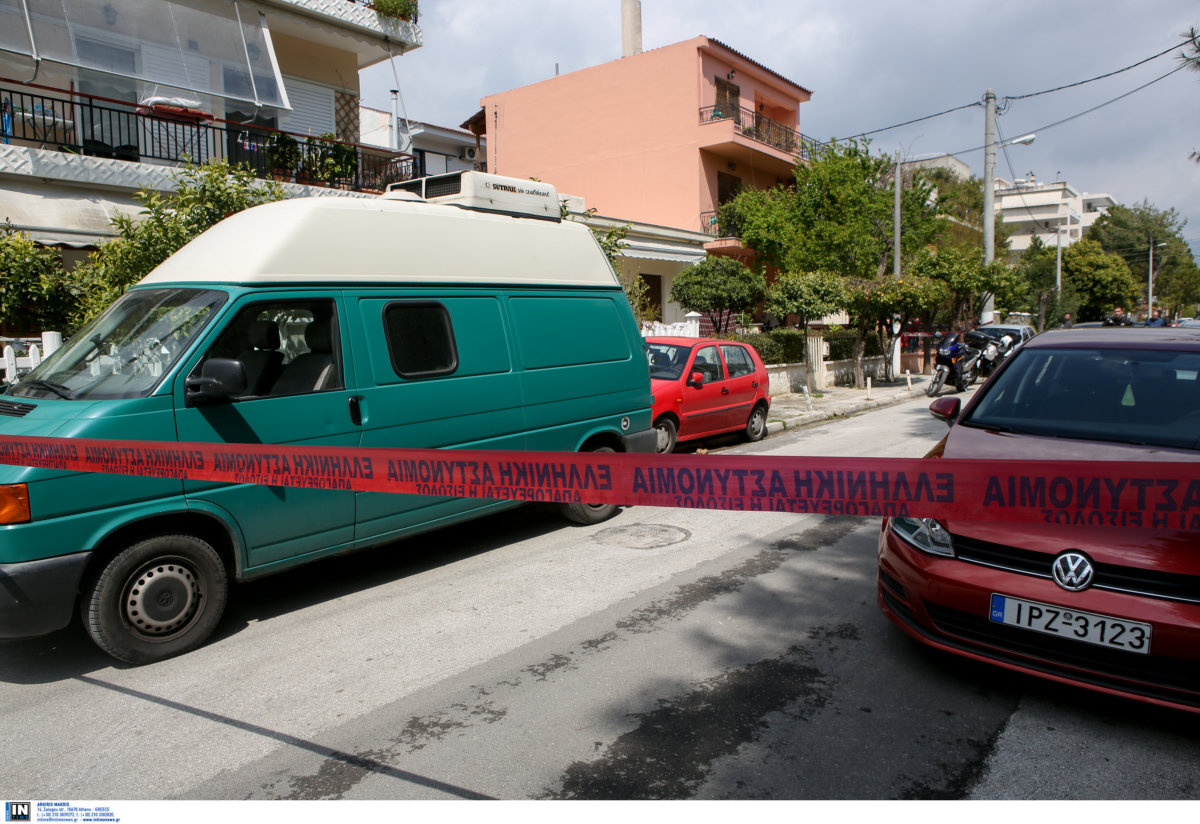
60 216
645 249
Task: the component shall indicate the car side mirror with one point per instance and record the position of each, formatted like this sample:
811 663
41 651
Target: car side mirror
219 379
946 409
696 379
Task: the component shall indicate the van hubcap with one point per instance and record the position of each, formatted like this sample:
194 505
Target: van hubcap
161 598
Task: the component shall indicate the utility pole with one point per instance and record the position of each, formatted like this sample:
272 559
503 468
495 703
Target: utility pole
896 221
989 195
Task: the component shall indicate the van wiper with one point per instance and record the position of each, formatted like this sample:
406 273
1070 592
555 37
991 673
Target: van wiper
56 388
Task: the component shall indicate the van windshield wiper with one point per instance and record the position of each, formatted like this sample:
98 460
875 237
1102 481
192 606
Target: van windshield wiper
56 388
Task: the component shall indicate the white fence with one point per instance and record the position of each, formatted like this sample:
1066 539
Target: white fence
15 366
688 328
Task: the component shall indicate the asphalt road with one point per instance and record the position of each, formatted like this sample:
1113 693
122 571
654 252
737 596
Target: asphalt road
666 654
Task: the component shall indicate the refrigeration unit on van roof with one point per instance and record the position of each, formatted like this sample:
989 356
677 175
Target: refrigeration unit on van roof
478 190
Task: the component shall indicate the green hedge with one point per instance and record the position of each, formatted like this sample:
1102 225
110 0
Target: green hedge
768 348
841 344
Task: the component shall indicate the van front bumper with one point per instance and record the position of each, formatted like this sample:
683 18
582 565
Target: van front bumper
38 597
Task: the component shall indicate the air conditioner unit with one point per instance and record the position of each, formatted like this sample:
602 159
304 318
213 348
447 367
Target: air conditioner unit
468 153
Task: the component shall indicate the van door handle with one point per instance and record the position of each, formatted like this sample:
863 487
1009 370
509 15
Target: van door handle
356 409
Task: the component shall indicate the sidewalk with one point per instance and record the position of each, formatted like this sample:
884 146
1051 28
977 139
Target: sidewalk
793 410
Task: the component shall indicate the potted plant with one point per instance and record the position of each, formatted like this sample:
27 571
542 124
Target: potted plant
399 9
283 153
328 161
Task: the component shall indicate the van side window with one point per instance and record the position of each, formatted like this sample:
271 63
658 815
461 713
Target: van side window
738 360
420 339
287 347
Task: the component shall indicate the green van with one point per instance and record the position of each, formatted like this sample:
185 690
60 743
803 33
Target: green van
470 318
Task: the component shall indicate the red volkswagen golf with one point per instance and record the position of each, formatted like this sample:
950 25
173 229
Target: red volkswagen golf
1111 609
705 387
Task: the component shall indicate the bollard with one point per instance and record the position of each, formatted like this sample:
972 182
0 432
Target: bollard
908 377
807 398
868 389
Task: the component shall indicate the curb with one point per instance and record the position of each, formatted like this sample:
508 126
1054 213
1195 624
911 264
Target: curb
841 411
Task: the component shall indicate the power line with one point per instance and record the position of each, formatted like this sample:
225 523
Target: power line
1091 79
1093 108
1016 97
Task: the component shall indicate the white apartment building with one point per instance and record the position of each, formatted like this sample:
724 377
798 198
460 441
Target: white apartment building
100 99
1055 212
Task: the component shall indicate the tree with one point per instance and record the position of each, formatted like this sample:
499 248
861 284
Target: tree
206 195
1038 268
837 218
807 295
962 272
33 291
1102 281
718 287
1129 231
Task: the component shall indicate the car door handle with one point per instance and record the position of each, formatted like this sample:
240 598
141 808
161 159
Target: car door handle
724 390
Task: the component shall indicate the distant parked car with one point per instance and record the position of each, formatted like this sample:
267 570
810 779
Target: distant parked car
704 387
1190 323
1018 332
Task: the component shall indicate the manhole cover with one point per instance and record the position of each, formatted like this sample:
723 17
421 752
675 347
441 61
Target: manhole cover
641 536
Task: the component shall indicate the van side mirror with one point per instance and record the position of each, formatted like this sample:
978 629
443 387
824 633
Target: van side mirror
696 379
946 409
219 378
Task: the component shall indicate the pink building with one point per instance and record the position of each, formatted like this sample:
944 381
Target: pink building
660 139
663 136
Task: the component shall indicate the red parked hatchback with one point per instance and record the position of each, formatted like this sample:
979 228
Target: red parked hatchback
1116 610
704 387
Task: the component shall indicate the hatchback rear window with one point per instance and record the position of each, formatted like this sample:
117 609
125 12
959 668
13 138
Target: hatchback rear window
1125 395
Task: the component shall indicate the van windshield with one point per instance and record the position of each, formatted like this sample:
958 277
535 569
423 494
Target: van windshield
125 352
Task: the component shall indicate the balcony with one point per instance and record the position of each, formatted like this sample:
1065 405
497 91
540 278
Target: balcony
750 124
164 134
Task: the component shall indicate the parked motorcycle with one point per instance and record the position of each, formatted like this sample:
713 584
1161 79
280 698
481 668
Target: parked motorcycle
992 351
956 363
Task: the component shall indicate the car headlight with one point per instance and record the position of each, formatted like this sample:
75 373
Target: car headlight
925 534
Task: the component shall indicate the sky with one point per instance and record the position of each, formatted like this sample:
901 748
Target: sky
872 64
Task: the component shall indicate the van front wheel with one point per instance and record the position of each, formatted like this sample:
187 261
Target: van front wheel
587 514
155 599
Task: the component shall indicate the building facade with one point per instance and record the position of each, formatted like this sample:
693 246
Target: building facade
102 99
659 138
1057 213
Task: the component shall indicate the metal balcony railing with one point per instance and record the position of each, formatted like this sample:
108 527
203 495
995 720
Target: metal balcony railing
166 134
755 126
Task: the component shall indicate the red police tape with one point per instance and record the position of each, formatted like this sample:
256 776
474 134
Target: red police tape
1158 494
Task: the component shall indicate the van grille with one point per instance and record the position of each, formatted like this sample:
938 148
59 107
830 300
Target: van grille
14 409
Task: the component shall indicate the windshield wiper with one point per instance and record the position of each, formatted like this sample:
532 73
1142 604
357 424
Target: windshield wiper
56 388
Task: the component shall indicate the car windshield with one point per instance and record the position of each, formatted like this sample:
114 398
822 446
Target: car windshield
1135 396
666 360
125 352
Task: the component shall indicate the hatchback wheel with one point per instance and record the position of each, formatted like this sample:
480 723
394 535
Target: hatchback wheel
756 426
667 435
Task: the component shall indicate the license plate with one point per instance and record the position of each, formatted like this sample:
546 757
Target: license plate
1072 624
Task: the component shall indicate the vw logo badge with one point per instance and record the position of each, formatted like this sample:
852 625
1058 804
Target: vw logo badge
1073 571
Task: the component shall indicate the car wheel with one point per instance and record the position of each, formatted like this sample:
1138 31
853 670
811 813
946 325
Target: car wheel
756 426
667 435
587 514
155 599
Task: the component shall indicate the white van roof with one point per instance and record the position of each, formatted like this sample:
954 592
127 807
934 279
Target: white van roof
388 239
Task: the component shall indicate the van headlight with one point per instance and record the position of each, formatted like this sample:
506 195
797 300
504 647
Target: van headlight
926 534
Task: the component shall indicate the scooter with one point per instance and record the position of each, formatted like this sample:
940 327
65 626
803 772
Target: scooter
992 352
956 362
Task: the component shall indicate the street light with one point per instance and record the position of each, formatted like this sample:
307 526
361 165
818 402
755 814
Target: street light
1150 276
989 195
898 184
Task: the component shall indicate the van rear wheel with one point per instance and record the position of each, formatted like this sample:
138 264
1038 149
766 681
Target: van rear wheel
157 598
587 514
